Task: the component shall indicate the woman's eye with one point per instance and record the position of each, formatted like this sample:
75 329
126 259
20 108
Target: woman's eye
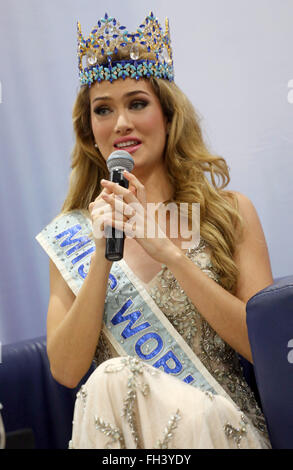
138 104
101 111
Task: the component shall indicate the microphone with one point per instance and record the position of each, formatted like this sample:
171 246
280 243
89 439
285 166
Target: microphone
117 162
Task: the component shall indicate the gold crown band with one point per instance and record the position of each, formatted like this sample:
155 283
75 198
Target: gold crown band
96 54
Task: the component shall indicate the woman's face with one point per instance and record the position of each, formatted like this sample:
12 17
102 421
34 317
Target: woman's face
126 114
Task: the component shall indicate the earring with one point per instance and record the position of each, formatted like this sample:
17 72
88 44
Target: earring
96 146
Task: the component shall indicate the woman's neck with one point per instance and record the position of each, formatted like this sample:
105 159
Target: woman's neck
157 184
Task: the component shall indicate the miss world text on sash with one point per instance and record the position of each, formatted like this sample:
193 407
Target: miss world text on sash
133 323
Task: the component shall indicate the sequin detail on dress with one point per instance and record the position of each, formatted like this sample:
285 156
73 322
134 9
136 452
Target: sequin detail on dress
135 382
111 431
169 431
136 369
82 394
103 351
215 354
236 433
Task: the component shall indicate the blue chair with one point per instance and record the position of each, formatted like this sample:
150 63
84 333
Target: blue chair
270 330
37 411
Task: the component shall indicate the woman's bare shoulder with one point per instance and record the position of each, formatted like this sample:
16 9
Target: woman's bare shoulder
251 253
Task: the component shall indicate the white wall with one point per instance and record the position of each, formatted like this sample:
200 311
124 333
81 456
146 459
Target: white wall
233 59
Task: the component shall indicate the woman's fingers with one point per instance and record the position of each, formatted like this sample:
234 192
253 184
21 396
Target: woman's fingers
99 197
128 195
135 192
116 205
136 187
102 214
99 201
119 206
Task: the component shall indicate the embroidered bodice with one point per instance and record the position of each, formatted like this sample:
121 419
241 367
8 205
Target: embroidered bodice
215 354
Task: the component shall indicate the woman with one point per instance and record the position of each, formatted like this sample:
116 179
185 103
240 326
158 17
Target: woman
132 103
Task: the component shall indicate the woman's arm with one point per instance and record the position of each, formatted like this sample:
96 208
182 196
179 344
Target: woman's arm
74 323
225 312
251 256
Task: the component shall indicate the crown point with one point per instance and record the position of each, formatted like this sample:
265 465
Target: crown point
108 36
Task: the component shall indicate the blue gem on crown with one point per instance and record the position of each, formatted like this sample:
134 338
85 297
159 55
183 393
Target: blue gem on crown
96 54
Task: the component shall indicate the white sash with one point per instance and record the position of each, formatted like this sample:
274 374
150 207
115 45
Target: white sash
133 323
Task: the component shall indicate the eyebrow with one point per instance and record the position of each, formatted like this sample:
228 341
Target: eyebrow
130 93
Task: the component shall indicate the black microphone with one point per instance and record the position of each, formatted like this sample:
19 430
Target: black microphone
117 162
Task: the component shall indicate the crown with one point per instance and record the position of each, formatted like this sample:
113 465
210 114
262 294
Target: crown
96 54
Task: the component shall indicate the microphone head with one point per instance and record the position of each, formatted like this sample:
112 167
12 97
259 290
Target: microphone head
120 159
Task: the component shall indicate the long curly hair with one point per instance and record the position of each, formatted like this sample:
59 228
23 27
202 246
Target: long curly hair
194 173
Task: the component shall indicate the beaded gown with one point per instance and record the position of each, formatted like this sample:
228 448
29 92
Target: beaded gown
127 403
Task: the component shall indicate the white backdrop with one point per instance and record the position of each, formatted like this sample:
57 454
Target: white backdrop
234 60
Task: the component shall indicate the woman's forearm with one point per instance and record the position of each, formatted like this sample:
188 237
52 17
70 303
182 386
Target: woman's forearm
224 312
71 347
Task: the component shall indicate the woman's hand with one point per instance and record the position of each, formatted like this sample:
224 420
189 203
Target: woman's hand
132 215
100 211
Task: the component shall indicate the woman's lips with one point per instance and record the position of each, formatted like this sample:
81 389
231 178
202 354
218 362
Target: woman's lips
131 148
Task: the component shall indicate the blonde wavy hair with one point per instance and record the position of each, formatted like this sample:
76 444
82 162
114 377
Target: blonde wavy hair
188 163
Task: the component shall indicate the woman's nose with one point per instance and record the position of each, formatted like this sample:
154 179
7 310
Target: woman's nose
123 124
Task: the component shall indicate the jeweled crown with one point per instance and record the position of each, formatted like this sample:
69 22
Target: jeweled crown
96 54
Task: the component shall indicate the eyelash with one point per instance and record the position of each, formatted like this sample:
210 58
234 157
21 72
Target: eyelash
99 110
